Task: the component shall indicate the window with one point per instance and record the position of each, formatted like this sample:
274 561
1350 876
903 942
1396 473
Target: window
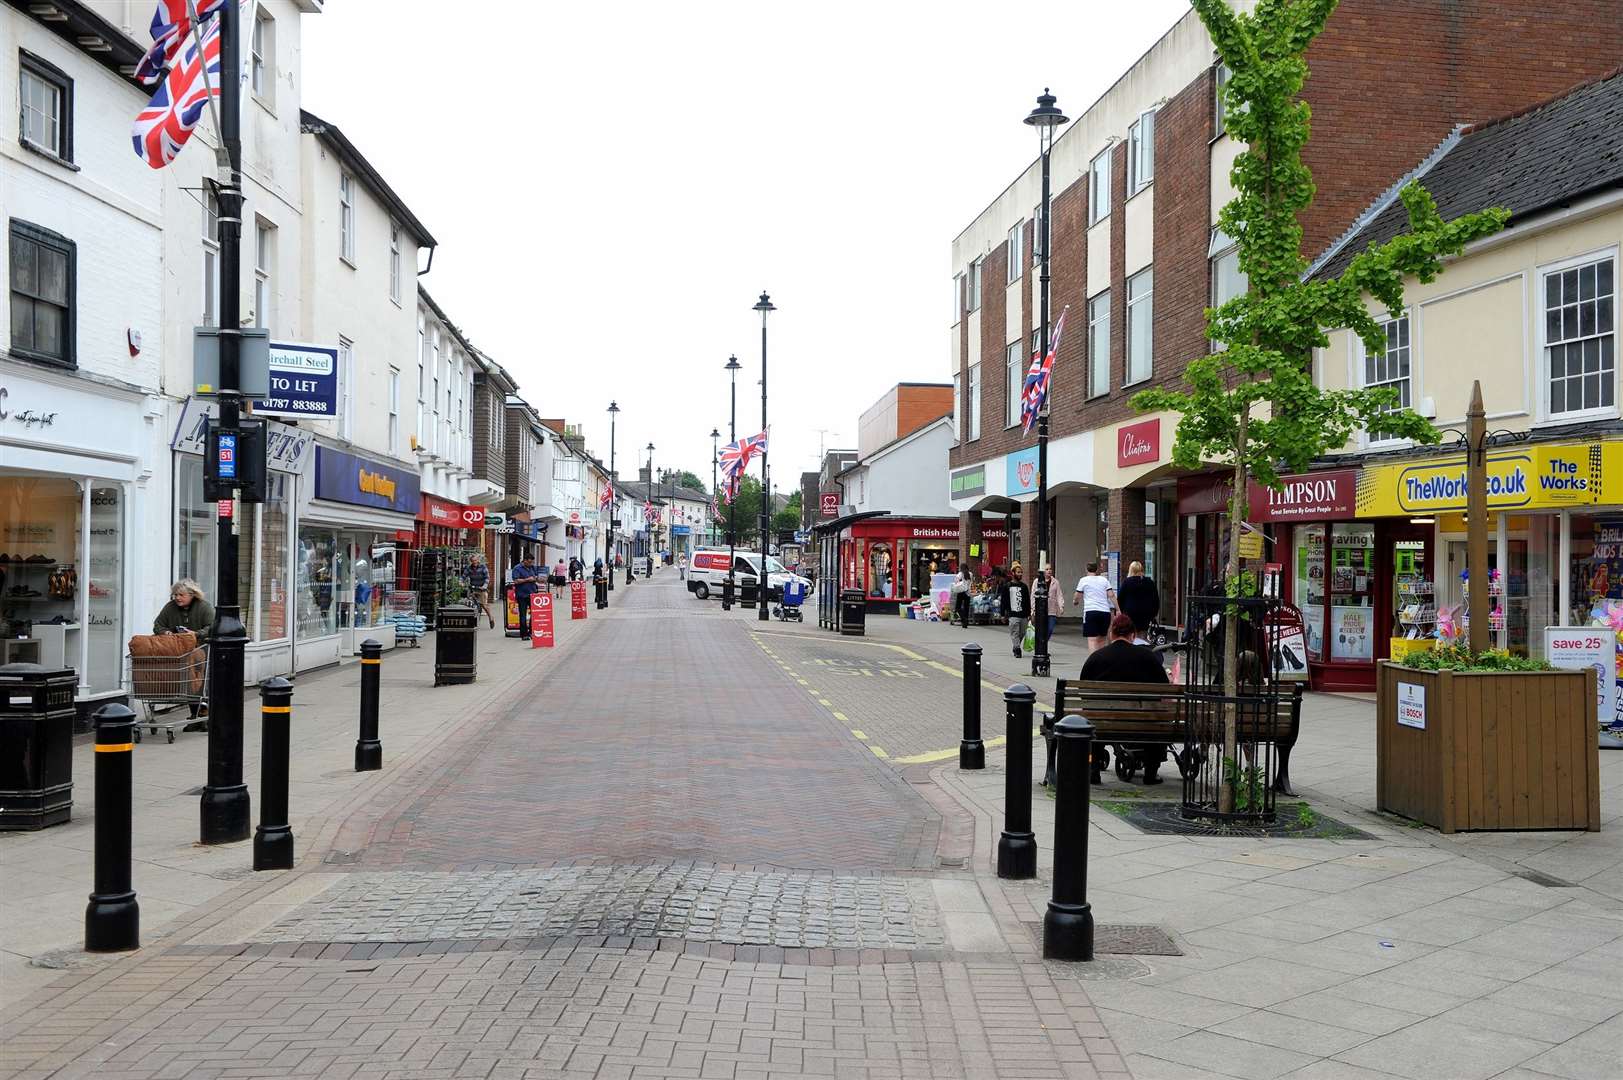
1140 327
1580 337
1228 281
1141 153
394 410
394 261
957 297
42 294
975 284
1014 378
264 259
1390 367
422 365
974 402
957 403
1220 81
211 257
45 107
1016 260
346 386
1099 187
346 217
1099 345
262 56
1037 233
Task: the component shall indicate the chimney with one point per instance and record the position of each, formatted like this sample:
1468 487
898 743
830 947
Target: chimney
642 473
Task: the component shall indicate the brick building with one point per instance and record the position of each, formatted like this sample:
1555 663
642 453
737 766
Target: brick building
1138 178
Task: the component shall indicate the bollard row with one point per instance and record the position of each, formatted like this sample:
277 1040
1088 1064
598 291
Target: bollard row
273 840
972 751
1017 847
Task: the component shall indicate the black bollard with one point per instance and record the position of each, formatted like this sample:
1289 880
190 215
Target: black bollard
972 751
113 918
1068 925
273 840
600 586
368 750
727 593
1017 847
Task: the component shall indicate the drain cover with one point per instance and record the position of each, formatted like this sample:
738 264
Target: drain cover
1124 939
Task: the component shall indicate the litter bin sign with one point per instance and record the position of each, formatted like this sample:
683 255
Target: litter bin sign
853 613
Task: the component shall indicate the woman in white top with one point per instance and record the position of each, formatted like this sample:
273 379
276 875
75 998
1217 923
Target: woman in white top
1098 602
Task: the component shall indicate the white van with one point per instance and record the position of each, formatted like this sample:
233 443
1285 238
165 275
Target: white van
708 569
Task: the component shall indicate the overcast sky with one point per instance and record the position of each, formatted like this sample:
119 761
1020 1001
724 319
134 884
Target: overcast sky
612 185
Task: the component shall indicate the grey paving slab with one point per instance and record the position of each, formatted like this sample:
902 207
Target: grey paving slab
1437 1047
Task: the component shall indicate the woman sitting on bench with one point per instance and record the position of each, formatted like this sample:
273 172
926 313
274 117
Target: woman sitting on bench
1122 661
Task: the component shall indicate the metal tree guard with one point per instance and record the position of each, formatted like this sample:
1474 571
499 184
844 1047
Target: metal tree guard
1208 762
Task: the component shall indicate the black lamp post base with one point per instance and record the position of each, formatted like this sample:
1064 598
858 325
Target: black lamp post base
224 813
112 922
368 755
1041 664
1068 932
273 847
972 754
1017 856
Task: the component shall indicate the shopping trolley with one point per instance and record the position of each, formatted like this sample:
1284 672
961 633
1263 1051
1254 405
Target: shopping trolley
161 684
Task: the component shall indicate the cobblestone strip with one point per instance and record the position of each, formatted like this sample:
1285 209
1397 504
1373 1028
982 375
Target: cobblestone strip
699 903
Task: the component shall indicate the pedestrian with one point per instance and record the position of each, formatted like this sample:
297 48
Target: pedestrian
187 612
1015 597
682 566
600 581
1140 600
560 577
1056 601
960 598
478 577
1098 602
577 568
1124 661
526 579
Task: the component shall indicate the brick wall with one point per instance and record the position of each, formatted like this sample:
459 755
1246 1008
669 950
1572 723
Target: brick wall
919 405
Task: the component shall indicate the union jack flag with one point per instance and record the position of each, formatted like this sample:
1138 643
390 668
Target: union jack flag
171 28
162 128
606 500
735 456
1035 390
715 510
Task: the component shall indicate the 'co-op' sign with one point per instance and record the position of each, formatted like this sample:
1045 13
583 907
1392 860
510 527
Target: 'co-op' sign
303 382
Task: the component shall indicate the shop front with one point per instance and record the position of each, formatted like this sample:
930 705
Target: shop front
443 523
348 562
892 559
77 573
265 535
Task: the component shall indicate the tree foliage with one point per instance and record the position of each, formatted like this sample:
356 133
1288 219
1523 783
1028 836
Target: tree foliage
788 519
1254 404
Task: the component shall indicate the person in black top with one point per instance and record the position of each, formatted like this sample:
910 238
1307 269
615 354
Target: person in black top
1015 597
1139 599
1122 661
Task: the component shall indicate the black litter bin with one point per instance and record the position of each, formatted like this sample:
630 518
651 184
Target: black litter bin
748 591
36 746
853 613
456 639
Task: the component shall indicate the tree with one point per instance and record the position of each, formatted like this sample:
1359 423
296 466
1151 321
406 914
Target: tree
1253 405
688 480
788 519
746 510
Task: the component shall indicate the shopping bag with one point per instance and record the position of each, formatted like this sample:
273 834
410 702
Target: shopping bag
1030 643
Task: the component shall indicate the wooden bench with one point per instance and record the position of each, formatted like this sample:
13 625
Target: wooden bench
1130 714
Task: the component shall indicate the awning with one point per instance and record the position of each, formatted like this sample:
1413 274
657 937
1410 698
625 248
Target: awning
839 523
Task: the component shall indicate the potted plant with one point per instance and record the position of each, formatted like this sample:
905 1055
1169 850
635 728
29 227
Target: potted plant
1486 741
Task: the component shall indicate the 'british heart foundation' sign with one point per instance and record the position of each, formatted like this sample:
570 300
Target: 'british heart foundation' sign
1138 444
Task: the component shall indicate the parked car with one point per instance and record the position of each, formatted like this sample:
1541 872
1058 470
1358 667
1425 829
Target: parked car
708 569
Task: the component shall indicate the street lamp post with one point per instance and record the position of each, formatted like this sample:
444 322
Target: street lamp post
1047 119
733 367
764 306
653 531
715 457
614 492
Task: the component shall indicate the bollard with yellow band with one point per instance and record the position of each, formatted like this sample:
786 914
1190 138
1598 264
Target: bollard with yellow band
273 840
113 918
368 750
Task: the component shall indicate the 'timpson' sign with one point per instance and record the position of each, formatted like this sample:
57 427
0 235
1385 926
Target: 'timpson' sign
1320 496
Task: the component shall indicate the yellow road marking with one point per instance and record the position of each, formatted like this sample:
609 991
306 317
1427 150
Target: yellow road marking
863 735
803 682
943 755
909 653
879 752
825 703
841 717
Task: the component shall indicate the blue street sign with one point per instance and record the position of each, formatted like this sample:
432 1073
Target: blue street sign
228 456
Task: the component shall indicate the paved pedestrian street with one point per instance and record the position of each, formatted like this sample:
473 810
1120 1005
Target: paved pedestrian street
689 844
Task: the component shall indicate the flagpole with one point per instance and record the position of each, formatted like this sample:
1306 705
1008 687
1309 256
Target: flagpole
224 804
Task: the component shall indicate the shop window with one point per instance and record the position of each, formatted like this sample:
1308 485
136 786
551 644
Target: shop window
1099 345
1414 599
1309 586
103 583
1390 368
42 583
194 524
318 568
268 597
1580 338
881 570
1351 591
42 294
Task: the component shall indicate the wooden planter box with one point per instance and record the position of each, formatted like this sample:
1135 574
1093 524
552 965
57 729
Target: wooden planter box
1497 750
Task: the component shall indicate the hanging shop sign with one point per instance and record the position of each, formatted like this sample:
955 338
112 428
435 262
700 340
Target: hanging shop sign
303 382
345 478
1138 444
829 503
1528 477
438 511
1022 471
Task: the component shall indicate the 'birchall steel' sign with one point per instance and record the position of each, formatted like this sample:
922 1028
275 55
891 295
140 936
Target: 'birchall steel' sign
1138 444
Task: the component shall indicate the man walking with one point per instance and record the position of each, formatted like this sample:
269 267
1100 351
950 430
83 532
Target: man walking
1016 597
479 586
524 585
